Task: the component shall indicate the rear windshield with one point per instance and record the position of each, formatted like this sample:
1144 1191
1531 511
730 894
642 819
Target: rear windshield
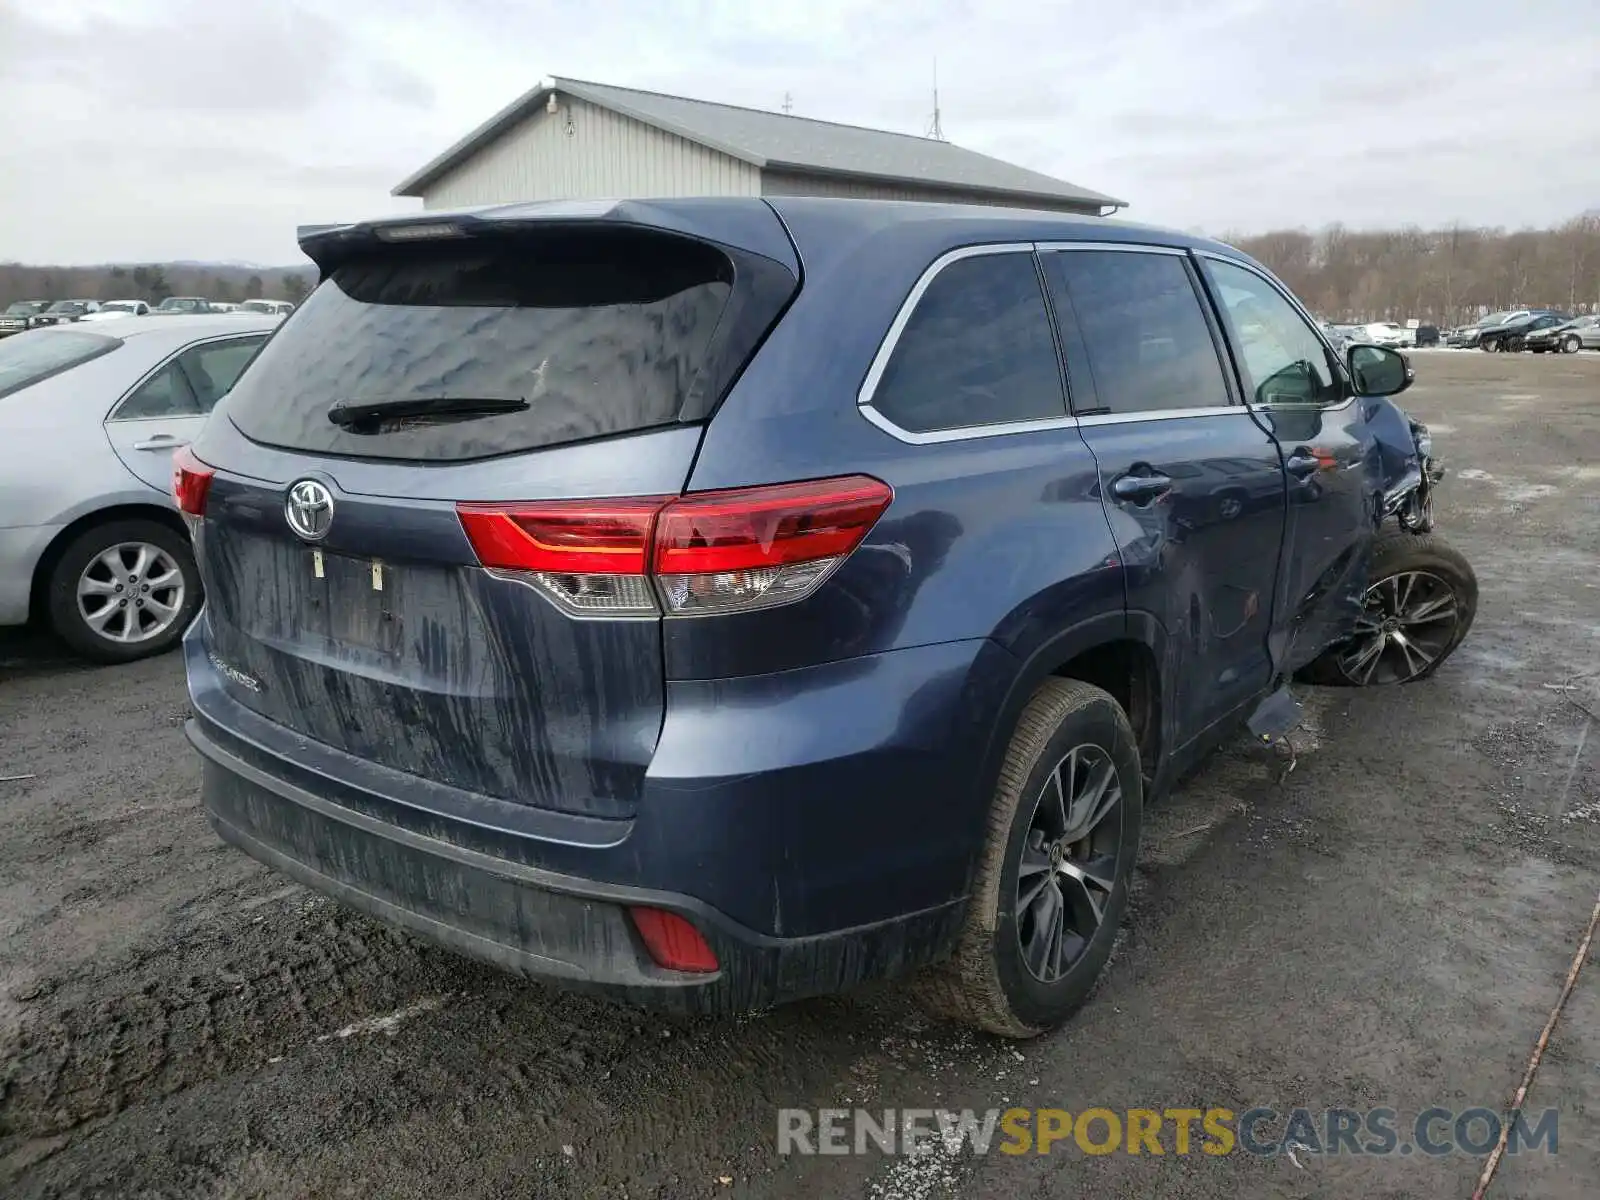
29 357
596 332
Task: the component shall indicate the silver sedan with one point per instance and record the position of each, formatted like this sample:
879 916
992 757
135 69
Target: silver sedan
90 541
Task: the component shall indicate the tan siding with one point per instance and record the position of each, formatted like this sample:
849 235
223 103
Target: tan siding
605 155
796 183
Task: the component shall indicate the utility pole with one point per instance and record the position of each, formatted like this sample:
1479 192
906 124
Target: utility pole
936 128
788 104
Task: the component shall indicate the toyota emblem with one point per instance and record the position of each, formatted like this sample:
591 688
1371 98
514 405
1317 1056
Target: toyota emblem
309 509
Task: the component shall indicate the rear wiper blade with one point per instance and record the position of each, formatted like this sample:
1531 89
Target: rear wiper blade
348 416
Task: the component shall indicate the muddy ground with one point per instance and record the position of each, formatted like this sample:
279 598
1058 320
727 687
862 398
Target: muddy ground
1390 925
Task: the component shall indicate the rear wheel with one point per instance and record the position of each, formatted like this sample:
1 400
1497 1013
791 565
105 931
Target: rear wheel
1571 344
123 590
1491 345
1420 603
1052 883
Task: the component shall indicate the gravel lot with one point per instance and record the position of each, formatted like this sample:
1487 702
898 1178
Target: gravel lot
1389 925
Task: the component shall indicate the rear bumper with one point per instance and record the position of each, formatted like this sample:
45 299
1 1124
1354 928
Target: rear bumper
530 921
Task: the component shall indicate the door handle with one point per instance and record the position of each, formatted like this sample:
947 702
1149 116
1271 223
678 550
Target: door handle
1140 489
1302 466
161 441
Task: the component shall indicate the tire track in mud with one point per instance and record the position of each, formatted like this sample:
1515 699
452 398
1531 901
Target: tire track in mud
215 1003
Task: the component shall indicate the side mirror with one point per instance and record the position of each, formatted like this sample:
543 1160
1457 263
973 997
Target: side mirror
1378 371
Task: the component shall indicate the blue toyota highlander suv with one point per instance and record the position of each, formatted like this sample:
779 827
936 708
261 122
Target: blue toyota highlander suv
715 602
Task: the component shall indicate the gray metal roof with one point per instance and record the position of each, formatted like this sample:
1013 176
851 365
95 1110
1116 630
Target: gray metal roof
784 142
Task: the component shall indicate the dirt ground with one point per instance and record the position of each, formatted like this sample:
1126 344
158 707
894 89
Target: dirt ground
1390 925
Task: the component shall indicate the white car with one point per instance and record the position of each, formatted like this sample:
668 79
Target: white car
89 417
267 308
110 310
1390 333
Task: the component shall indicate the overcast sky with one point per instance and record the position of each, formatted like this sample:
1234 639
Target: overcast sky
207 129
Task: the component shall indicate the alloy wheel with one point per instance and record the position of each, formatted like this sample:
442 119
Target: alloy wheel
130 592
1407 624
1069 862
1571 345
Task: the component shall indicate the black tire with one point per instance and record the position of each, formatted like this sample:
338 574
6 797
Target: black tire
61 605
986 982
1490 345
1537 349
1397 553
1571 344
1514 345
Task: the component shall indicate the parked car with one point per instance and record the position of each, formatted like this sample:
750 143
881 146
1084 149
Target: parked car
271 308
92 544
187 305
1510 335
111 310
712 638
63 312
1389 333
1566 337
17 313
224 306
1426 335
1467 335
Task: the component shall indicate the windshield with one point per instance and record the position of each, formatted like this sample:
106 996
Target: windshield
66 306
29 357
24 308
179 304
120 306
563 337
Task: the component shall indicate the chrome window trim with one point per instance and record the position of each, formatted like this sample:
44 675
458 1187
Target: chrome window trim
1294 303
964 432
1125 247
1163 414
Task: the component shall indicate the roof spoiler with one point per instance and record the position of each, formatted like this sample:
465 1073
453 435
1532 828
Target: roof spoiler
732 223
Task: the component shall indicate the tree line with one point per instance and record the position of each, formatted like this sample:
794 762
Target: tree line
1442 276
154 282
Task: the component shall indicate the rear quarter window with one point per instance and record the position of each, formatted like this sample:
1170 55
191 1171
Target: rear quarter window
28 358
599 333
977 350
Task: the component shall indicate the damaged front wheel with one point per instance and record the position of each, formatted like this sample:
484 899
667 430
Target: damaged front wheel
1419 604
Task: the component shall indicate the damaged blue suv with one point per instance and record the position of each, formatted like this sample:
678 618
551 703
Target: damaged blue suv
716 602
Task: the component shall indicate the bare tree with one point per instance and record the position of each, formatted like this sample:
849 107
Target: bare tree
1443 276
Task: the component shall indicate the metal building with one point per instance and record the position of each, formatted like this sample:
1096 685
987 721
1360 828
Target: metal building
572 140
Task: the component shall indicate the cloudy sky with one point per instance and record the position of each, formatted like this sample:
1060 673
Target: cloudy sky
207 129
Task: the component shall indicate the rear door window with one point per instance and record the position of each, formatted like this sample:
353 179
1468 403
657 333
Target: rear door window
212 369
164 394
1143 338
976 351
586 334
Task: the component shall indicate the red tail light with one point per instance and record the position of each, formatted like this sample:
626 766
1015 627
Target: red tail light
768 526
191 480
711 552
609 537
673 942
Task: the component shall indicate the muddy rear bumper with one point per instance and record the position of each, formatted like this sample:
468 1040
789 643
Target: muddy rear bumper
526 919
